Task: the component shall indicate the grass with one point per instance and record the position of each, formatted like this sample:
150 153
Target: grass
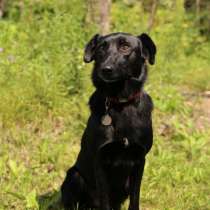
43 104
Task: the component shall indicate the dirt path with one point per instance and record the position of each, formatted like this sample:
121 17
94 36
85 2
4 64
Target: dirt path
200 104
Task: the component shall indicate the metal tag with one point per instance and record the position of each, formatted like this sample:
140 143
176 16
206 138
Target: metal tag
106 120
125 141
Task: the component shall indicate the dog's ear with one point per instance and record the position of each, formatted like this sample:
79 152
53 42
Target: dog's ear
149 48
90 48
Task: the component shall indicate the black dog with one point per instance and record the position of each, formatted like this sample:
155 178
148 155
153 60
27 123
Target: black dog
118 136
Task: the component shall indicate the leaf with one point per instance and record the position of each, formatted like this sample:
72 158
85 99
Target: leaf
31 202
13 167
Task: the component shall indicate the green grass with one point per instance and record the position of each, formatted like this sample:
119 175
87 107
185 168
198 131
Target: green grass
44 92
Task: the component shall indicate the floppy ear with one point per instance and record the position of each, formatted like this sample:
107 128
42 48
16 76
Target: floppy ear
90 48
149 48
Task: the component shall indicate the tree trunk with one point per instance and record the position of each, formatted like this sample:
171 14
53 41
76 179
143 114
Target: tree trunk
174 4
152 14
105 7
98 12
2 4
198 8
92 12
146 5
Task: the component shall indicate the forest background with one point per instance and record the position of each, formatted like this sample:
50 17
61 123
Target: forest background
45 86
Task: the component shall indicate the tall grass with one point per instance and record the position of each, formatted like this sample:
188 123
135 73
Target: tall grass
45 88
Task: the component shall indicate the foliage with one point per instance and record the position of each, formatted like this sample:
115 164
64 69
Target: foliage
45 88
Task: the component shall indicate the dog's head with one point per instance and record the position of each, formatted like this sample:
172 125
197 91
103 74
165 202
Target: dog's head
119 56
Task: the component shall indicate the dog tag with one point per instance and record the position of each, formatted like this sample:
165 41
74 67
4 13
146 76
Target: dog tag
106 120
125 141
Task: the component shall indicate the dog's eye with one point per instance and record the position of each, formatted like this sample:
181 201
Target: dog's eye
125 48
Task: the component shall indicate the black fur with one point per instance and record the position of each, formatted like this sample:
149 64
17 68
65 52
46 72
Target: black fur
108 170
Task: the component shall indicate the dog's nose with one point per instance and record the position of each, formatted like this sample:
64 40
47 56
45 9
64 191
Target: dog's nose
107 70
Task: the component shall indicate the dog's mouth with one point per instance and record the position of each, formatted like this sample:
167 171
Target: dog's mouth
113 79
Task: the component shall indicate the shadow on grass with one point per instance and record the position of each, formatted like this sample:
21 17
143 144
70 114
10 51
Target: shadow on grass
50 201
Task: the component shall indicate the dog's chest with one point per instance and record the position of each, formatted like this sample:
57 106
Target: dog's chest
123 146
126 123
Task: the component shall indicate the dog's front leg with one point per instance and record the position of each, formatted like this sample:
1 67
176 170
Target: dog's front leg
102 187
135 184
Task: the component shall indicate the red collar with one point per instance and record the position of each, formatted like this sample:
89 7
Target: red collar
132 97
